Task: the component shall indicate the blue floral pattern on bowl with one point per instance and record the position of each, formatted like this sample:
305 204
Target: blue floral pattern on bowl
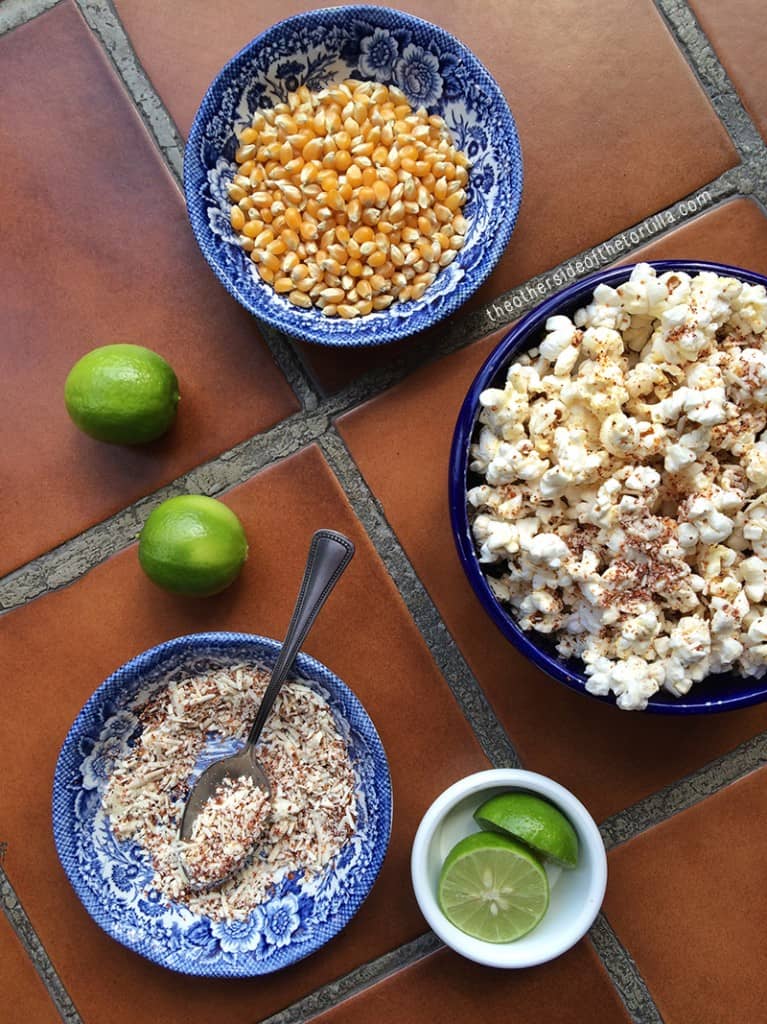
114 879
434 70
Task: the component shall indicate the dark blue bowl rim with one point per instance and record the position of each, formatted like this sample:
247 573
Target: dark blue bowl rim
522 335
453 301
304 666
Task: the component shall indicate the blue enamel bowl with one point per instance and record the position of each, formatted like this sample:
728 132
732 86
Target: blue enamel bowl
434 70
113 879
722 692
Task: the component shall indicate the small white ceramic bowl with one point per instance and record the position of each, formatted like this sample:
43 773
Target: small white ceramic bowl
576 895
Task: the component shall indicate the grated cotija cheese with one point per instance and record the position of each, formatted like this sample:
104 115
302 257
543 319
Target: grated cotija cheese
225 832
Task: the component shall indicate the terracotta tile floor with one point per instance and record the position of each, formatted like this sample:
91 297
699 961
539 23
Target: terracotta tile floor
555 730
76 649
687 899
25 999
583 183
109 258
443 987
738 33
96 249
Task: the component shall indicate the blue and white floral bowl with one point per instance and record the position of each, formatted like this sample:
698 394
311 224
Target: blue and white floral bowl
113 880
434 70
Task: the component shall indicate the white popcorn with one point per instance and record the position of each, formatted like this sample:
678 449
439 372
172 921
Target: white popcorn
547 549
625 484
562 334
755 463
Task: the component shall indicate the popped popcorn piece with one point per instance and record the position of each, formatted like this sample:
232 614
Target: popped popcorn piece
625 467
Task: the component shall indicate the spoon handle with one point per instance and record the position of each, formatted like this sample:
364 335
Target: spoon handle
329 554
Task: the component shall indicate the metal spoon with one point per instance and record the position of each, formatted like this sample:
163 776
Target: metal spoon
329 554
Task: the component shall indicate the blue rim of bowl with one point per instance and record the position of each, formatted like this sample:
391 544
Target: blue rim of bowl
386 333
523 335
304 667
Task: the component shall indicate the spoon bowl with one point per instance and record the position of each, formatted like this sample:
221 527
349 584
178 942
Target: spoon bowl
329 555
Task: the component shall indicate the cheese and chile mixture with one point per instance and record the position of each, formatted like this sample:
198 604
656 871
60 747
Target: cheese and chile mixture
312 812
347 199
625 501
225 832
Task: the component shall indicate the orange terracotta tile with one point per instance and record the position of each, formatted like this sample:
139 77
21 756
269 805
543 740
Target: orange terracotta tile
447 988
80 634
599 752
737 33
24 998
598 158
99 251
687 900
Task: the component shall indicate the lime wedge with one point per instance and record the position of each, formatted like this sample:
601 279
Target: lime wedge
535 821
492 888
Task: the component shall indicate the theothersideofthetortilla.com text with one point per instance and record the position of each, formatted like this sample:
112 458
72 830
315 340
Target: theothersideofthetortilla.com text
502 309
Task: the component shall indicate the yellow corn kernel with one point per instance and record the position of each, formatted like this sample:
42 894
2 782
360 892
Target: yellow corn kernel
339 253
248 136
290 237
289 261
363 234
245 153
456 200
313 149
253 228
299 298
366 197
354 176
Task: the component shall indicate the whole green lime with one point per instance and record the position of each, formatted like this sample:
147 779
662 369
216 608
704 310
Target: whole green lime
123 394
192 545
536 822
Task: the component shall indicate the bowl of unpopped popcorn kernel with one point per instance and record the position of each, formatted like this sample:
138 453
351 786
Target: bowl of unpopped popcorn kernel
353 175
608 486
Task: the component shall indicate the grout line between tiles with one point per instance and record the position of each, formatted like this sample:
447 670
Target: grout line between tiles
624 973
72 559
35 950
450 661
685 793
102 19
714 80
357 981
18 12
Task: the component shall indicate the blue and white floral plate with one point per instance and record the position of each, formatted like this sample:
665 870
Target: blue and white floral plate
113 880
434 70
